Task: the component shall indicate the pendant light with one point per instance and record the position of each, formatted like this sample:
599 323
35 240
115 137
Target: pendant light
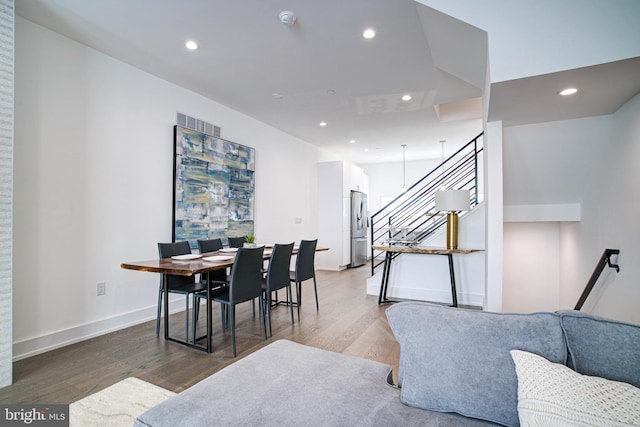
404 185
442 142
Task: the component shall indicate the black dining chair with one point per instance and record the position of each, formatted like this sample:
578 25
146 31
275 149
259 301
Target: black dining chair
305 270
185 285
237 242
277 277
244 285
209 245
216 277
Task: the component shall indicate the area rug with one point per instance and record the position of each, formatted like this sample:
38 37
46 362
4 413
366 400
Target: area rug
117 405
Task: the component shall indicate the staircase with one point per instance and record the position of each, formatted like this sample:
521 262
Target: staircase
411 217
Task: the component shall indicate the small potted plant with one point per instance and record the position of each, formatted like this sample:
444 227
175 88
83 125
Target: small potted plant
250 241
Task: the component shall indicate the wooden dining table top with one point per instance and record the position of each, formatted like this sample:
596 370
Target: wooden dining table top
195 266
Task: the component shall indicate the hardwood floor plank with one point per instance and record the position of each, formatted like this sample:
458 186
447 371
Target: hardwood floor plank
348 322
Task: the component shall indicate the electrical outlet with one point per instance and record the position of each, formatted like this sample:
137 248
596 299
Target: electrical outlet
101 288
297 221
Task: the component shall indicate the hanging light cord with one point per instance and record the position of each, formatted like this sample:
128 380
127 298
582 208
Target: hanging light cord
404 186
442 142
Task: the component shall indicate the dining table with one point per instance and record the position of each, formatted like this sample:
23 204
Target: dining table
189 265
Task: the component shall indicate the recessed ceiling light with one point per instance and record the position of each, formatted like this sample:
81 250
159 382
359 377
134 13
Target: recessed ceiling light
568 91
191 45
276 95
323 124
369 33
406 97
352 141
366 149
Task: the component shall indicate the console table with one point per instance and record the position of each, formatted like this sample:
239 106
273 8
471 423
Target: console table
391 250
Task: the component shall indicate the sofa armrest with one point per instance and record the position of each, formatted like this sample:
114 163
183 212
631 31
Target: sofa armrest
458 360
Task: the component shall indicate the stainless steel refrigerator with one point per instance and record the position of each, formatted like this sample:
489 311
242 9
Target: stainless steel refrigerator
359 227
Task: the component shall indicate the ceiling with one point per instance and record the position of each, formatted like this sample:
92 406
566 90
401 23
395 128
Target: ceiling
322 69
603 88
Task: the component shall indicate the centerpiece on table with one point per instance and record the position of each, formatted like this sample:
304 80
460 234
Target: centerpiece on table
250 241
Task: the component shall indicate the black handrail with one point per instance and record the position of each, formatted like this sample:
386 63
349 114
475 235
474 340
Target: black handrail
414 210
605 260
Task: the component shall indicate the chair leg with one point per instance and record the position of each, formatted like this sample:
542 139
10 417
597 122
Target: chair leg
160 293
224 318
268 307
262 317
232 317
298 297
315 289
290 306
196 310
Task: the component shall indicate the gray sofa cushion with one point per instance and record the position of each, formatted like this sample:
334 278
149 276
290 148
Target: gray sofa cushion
602 347
289 384
458 360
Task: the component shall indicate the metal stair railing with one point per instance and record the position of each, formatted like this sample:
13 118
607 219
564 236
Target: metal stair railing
605 260
412 214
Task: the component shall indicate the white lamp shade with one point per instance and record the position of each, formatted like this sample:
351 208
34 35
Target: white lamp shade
452 200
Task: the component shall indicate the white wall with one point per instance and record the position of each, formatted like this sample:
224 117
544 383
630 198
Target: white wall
610 218
549 163
546 167
531 267
93 173
610 202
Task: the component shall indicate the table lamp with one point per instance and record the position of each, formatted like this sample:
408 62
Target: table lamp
452 201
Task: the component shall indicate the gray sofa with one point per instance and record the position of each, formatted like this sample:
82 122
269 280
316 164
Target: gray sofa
458 367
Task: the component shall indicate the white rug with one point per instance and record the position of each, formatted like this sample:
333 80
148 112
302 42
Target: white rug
117 405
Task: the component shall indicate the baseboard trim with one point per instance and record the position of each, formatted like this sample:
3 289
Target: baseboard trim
38 345
427 295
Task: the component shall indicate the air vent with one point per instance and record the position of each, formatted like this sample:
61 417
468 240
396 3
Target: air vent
198 125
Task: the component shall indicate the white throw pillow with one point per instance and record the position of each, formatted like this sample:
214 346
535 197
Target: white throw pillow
550 394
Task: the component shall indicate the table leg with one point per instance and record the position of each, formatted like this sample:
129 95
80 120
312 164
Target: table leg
384 283
186 341
454 293
384 273
165 286
209 323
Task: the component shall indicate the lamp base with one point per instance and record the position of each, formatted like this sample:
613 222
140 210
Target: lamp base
452 230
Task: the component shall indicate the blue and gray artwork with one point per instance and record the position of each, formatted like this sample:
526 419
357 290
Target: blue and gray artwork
214 187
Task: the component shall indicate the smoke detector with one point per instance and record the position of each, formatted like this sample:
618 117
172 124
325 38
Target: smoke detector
288 18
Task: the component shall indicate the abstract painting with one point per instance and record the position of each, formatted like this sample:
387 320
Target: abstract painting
213 195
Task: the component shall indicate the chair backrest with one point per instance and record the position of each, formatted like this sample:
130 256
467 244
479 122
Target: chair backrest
167 250
305 268
237 242
246 275
278 272
210 245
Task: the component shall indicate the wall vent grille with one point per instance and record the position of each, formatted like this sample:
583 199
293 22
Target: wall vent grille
198 125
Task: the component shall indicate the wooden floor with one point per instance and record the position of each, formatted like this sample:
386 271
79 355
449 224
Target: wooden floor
348 322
